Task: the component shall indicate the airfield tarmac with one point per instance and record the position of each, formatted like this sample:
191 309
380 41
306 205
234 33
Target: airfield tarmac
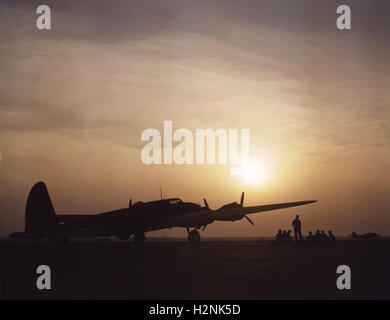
213 269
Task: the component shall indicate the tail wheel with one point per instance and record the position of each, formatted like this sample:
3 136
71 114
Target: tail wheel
193 236
139 238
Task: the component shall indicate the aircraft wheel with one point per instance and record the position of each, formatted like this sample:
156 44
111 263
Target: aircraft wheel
139 238
194 236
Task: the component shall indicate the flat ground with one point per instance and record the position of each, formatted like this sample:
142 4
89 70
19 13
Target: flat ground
213 269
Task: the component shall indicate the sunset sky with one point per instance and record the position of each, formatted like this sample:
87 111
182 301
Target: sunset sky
74 101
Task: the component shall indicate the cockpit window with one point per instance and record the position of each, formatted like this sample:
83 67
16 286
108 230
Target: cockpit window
175 201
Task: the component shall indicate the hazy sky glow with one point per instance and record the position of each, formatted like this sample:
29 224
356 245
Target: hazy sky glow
74 101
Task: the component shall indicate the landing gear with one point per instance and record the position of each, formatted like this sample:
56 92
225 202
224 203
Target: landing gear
193 236
139 238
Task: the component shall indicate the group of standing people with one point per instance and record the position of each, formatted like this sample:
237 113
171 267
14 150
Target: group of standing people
285 237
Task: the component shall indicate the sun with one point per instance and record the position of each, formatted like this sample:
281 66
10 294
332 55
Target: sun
253 173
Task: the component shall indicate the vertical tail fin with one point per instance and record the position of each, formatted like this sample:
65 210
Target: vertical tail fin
40 216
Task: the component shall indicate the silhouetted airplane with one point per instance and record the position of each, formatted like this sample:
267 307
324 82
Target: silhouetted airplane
41 220
365 236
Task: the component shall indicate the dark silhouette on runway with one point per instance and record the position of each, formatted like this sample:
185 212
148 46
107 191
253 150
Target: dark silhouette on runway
284 237
140 217
365 236
297 228
320 237
331 236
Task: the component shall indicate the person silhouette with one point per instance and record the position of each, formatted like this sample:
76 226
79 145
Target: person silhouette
331 236
289 238
310 237
297 228
279 236
284 237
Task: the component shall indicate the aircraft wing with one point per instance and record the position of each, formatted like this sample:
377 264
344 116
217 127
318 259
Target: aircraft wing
239 212
231 214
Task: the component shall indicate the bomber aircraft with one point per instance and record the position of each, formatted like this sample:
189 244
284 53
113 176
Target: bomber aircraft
42 222
365 236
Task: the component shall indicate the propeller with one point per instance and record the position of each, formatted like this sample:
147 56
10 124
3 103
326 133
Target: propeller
250 221
241 205
130 203
206 204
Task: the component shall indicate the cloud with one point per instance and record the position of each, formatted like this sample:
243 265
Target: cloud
75 99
